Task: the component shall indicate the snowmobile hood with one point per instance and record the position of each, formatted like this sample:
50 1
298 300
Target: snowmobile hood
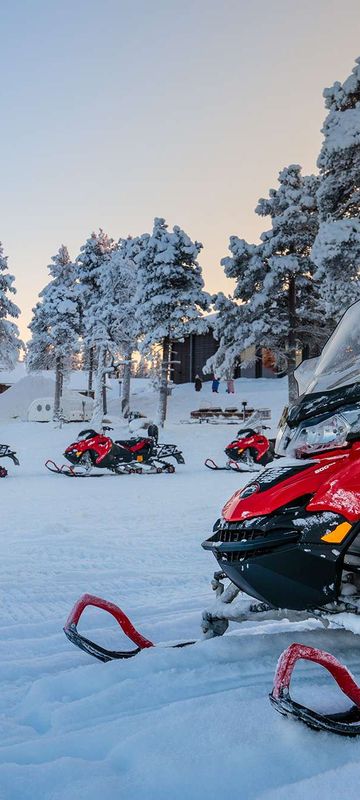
278 487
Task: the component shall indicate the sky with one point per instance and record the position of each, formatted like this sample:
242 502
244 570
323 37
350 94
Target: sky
117 111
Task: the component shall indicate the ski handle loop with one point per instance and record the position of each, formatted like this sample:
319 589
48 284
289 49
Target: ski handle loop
127 627
294 653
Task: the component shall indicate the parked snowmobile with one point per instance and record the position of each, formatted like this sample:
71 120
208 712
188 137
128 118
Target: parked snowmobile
7 452
289 541
291 538
141 455
250 451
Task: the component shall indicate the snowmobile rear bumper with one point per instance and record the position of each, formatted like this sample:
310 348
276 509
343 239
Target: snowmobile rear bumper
6 452
346 723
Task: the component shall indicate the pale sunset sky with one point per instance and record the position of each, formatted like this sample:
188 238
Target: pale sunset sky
117 111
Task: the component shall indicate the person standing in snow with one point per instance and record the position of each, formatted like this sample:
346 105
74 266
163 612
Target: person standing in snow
230 386
198 383
215 385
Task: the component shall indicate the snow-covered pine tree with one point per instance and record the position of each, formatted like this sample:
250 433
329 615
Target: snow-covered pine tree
290 277
117 327
278 299
10 344
55 325
96 250
39 353
336 250
227 323
170 295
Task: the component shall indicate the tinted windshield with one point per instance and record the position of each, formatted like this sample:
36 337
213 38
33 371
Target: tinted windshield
339 363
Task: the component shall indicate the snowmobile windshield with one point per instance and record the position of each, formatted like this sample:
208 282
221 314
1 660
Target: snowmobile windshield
328 411
339 363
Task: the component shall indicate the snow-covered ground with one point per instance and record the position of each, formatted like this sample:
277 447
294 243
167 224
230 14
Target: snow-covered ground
193 723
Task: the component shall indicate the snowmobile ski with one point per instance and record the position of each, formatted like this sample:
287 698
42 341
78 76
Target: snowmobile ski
96 650
344 723
234 466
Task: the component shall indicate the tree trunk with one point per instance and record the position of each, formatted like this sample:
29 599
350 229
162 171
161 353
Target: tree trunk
100 389
163 393
91 369
104 395
291 354
58 388
125 388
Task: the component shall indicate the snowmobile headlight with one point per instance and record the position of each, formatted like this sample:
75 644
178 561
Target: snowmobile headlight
325 435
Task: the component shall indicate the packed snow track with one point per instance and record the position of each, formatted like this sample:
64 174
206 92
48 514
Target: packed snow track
191 723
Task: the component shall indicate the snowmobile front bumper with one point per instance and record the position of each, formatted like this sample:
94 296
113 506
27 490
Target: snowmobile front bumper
277 571
345 723
283 560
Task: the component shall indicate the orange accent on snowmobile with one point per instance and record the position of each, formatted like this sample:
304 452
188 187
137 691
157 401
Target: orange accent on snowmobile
338 534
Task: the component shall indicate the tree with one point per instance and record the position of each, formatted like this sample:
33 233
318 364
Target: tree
170 295
56 323
116 324
287 249
96 250
277 299
39 351
336 250
10 344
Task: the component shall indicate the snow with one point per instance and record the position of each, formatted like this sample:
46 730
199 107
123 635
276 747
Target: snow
192 723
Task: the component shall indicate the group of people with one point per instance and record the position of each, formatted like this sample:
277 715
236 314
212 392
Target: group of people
230 389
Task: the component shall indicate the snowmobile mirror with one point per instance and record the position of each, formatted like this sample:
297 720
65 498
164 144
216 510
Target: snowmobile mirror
353 436
344 723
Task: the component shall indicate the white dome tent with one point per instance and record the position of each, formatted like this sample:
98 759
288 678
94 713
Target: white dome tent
75 407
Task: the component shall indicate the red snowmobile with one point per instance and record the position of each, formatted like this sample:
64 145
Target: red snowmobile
250 451
7 452
141 455
291 538
289 541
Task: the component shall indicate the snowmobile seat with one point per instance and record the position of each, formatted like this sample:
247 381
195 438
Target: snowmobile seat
130 442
